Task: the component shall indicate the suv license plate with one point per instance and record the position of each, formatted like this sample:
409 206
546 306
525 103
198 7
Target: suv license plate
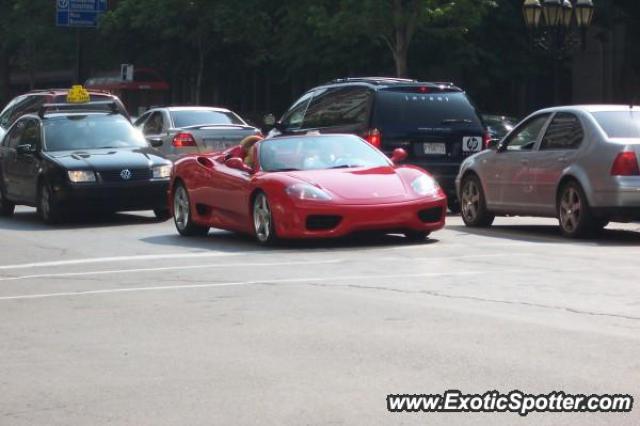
434 148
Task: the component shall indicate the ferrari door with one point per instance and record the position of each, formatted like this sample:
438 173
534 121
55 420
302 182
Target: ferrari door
229 194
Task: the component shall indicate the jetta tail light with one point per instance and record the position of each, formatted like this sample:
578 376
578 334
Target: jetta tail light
183 140
625 164
374 137
486 140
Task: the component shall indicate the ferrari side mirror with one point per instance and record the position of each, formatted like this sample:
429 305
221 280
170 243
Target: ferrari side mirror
399 155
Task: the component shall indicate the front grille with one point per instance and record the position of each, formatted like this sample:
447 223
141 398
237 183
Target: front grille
431 215
117 175
322 223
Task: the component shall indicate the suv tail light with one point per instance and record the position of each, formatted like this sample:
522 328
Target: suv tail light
625 164
486 140
374 137
183 139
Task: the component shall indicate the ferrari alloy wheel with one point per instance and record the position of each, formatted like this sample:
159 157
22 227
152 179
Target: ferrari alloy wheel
474 207
182 214
6 207
574 213
263 220
48 208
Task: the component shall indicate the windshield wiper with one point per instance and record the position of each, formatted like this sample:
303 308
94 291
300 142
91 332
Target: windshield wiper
456 120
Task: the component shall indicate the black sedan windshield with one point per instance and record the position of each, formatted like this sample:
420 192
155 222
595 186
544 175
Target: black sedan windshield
92 131
321 152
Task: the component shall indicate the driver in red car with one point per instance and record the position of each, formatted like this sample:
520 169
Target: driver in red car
245 150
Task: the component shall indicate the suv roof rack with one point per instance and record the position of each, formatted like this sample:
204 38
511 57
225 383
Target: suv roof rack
374 80
100 106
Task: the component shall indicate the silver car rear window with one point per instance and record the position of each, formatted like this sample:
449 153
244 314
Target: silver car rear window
619 124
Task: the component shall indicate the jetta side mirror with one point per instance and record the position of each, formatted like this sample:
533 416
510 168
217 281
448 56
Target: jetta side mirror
399 155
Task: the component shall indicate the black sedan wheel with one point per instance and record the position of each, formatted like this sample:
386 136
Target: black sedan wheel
48 208
182 214
6 207
417 236
474 205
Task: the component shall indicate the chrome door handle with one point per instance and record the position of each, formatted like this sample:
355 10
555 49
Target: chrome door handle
525 162
563 160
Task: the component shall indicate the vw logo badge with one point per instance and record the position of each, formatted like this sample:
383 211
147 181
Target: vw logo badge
125 174
474 144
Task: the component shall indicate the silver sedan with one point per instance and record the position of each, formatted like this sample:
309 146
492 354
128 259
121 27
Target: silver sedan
177 131
578 164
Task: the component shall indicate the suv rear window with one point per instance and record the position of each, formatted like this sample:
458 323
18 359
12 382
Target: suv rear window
415 110
619 124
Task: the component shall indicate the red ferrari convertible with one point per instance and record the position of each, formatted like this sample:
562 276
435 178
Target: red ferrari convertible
305 187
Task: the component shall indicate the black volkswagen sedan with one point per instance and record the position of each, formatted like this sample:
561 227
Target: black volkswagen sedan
80 159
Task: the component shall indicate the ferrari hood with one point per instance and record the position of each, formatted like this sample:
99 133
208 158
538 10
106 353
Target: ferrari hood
357 185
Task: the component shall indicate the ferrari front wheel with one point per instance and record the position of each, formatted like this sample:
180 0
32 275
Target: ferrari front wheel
263 220
182 214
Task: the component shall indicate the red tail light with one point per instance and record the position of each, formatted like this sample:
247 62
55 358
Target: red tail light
625 164
183 139
486 140
374 137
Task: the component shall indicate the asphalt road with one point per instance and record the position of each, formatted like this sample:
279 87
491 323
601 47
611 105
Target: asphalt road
121 321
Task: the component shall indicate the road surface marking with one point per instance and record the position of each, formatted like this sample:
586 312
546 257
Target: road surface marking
167 268
237 284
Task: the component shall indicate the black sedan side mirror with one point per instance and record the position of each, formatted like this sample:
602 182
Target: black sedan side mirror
25 149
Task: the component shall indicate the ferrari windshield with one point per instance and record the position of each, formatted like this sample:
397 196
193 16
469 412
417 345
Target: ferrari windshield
318 152
91 131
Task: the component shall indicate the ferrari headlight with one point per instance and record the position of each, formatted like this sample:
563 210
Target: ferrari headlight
303 191
162 172
81 176
425 185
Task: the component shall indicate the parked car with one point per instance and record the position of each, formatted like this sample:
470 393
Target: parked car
177 131
498 125
435 123
30 103
70 158
305 187
578 163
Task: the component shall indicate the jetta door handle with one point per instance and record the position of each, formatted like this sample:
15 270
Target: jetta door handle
563 160
524 162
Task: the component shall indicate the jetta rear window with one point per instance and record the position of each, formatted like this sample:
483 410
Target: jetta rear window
190 118
432 110
619 124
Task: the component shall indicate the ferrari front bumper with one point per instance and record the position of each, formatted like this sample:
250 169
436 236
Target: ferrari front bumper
320 220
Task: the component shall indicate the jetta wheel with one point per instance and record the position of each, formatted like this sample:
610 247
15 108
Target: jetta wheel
473 203
48 207
6 207
263 220
182 214
574 213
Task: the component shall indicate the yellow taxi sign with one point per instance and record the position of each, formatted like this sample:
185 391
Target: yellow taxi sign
77 95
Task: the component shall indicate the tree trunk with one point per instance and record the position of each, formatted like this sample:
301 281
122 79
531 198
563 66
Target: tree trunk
5 81
200 72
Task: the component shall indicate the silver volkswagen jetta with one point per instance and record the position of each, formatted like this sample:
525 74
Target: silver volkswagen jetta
577 163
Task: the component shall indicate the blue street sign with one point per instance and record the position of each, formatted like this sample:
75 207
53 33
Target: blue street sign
79 13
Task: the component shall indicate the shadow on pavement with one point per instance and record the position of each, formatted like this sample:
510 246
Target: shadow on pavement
30 221
232 242
551 233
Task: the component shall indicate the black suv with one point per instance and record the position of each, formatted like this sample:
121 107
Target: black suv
435 123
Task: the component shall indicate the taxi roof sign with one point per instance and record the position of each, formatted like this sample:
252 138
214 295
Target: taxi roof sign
78 95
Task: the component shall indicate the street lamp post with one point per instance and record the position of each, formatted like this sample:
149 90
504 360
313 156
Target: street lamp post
557 27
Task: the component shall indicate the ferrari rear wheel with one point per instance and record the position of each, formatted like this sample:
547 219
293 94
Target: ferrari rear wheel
182 214
263 220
